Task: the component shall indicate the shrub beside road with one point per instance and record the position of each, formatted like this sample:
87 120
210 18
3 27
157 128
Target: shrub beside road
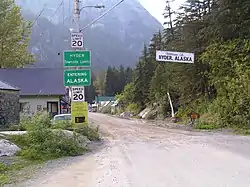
44 142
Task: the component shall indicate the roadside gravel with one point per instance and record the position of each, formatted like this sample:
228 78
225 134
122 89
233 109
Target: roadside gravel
136 154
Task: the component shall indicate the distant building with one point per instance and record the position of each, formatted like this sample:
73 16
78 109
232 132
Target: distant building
9 105
41 89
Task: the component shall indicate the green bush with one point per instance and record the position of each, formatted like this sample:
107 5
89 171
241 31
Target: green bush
206 126
133 108
24 120
91 133
3 167
40 120
44 144
4 179
37 122
64 124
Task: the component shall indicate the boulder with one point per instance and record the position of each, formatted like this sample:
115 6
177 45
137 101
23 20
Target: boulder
126 115
143 114
83 141
7 148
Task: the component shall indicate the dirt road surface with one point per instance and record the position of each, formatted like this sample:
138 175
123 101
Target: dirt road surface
140 155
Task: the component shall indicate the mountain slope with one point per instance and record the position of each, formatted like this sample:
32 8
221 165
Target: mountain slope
115 39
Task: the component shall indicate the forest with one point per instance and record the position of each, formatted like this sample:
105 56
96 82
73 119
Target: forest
217 85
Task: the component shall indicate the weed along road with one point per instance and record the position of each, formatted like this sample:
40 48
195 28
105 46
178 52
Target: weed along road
144 155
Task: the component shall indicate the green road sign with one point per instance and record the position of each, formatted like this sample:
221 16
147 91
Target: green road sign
77 58
81 77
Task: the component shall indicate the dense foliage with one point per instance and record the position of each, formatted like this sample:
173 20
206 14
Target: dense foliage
44 141
113 80
217 84
14 36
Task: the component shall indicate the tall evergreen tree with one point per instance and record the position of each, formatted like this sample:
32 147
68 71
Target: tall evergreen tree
218 32
129 75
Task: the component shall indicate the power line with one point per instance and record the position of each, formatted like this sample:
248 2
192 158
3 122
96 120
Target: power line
68 17
101 16
49 18
56 10
39 14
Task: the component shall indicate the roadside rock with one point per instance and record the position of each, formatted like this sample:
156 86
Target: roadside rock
143 113
7 148
126 115
83 141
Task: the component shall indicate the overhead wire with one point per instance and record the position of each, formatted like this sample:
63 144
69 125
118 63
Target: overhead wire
49 18
69 17
101 16
94 21
39 15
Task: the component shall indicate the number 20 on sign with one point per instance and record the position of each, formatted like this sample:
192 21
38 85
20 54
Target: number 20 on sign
77 40
77 94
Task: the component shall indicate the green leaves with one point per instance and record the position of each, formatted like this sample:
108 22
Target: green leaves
114 80
14 36
230 74
218 84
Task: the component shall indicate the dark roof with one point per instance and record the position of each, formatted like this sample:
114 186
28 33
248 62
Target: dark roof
35 81
5 86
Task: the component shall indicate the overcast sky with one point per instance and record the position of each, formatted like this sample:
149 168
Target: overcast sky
156 7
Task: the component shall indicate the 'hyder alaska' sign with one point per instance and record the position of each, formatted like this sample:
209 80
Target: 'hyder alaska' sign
171 56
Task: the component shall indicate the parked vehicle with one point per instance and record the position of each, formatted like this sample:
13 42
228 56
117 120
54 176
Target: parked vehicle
61 117
94 108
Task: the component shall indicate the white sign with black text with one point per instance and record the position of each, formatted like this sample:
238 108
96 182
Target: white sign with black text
78 94
77 40
171 56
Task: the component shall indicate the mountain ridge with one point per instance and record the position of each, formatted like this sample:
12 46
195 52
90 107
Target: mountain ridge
117 38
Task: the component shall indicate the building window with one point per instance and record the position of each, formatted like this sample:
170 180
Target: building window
23 106
52 108
39 108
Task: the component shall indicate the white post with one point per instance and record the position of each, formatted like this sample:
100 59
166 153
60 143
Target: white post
171 105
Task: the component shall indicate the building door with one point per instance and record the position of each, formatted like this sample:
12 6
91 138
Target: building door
52 108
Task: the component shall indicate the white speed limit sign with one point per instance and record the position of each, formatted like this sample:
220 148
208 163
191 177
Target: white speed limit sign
77 40
77 94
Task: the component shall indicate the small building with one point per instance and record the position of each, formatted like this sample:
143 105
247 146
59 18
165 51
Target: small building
9 105
41 89
102 100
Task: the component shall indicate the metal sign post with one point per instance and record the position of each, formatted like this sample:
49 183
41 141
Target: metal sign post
77 77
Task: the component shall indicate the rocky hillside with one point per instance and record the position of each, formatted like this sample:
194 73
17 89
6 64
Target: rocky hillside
116 39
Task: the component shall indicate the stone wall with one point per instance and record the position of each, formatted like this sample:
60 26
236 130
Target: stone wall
9 108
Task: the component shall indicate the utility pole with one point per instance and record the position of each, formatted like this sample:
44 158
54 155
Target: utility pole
77 15
77 27
79 74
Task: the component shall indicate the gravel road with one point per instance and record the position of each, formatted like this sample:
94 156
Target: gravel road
138 155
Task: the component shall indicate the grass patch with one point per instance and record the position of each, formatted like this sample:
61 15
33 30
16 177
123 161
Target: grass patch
44 142
206 126
10 172
4 179
91 133
244 132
